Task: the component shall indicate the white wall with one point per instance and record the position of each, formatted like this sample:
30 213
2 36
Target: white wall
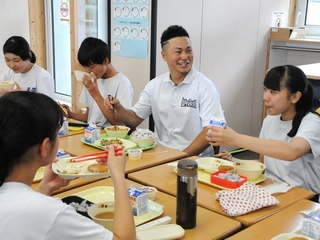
230 43
14 20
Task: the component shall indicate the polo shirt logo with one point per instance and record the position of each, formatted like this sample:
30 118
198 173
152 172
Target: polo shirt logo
188 103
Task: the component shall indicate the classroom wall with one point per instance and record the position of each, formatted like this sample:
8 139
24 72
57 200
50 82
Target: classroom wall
13 21
229 42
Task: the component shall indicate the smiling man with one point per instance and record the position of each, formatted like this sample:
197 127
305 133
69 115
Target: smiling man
181 101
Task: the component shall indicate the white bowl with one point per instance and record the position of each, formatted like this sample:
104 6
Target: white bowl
249 168
143 142
151 192
119 132
102 208
134 154
6 85
80 74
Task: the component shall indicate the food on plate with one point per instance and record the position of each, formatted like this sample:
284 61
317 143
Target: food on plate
72 169
106 142
226 168
143 137
233 177
143 133
97 168
117 128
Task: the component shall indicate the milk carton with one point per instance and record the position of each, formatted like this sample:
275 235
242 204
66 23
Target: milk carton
139 200
91 134
218 122
311 225
64 128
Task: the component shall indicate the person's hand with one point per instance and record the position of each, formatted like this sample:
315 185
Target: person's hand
217 136
67 113
225 155
51 181
111 103
90 84
116 161
16 87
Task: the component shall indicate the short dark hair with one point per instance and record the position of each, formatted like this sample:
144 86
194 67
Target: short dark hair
93 51
172 32
19 46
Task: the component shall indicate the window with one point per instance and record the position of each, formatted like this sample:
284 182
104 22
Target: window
313 12
59 39
307 15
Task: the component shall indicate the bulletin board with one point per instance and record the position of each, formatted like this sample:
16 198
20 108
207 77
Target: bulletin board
132 40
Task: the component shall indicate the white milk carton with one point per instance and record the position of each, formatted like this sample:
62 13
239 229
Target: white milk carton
91 134
64 128
139 200
311 225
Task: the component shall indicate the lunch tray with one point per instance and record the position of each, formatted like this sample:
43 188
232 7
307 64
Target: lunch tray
106 193
105 135
205 177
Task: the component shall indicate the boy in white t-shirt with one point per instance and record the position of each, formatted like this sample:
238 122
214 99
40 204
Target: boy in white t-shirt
94 55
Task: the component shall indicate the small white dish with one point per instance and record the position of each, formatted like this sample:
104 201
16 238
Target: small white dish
134 154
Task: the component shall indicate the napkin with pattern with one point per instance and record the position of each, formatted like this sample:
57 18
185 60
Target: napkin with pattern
247 198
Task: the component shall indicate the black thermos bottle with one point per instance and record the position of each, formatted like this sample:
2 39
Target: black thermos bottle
187 187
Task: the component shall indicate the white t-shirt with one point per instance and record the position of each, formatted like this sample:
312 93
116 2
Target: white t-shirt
117 86
29 215
303 172
36 79
180 112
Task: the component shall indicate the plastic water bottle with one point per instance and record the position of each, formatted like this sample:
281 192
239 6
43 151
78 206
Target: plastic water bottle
187 188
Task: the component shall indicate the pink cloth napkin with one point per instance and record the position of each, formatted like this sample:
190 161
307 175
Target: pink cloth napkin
247 198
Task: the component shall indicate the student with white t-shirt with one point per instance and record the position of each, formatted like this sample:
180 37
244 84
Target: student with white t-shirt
289 141
27 75
94 55
29 124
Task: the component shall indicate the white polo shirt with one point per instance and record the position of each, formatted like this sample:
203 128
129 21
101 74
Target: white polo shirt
303 172
180 112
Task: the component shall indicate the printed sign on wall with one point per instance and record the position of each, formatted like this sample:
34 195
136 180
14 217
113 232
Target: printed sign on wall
131 28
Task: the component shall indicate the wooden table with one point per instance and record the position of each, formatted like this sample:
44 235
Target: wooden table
285 221
152 157
210 225
164 179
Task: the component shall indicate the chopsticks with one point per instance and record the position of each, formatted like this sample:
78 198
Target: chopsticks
113 112
98 156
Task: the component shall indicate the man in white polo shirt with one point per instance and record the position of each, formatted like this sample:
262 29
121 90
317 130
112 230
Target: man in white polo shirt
181 101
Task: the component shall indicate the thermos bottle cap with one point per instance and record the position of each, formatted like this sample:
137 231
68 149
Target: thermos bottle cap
187 167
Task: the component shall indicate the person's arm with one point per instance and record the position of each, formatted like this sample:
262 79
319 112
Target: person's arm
83 117
127 116
288 151
198 145
123 225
